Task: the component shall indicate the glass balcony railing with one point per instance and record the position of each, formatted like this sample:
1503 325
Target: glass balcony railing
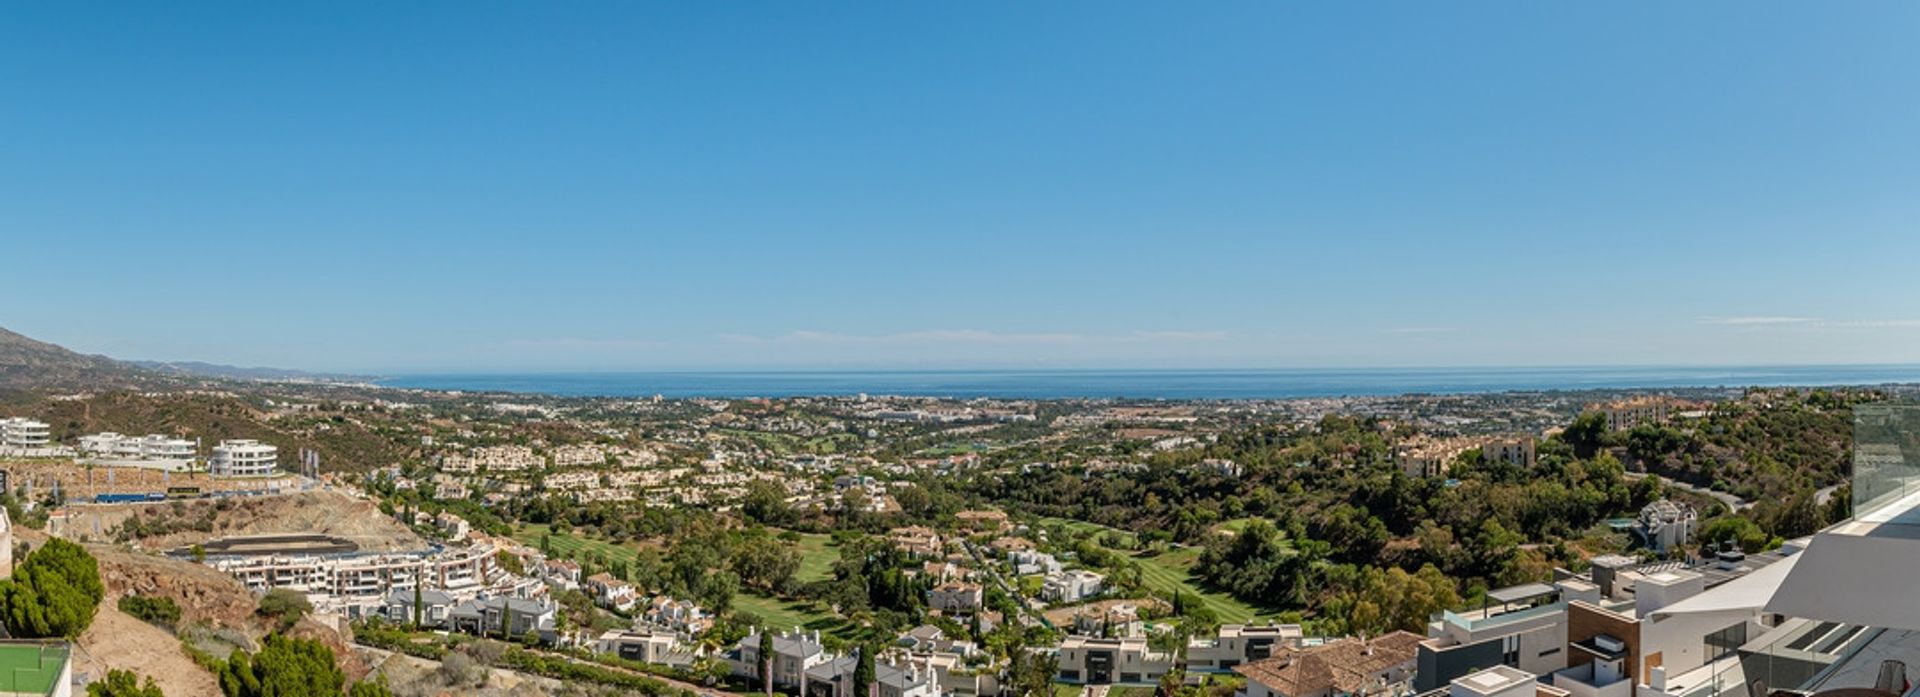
1886 464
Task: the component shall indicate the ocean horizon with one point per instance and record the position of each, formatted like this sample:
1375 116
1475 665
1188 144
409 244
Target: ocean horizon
1225 384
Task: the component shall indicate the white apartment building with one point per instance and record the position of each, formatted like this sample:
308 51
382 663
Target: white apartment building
153 450
19 432
244 458
366 580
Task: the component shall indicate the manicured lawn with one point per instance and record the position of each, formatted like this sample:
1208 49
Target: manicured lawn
1236 525
1060 690
1173 571
575 546
817 555
1081 526
785 614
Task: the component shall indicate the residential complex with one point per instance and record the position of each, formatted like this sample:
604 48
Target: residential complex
244 458
153 451
18 432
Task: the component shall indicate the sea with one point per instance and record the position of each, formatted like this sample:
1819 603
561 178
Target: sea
1153 384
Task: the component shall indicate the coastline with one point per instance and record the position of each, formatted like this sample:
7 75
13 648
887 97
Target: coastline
1223 384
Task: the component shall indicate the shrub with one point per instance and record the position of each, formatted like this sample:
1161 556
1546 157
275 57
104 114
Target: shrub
123 683
285 605
156 610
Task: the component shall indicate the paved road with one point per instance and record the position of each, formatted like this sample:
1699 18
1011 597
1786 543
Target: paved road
1027 613
1824 495
1733 502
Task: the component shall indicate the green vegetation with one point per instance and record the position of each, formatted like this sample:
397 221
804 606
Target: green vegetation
123 683
565 545
53 593
1170 574
284 606
284 667
816 557
787 614
156 610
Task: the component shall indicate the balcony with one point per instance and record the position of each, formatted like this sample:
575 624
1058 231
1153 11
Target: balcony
1862 571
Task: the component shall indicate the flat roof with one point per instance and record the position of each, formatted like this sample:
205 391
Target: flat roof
1514 594
1494 679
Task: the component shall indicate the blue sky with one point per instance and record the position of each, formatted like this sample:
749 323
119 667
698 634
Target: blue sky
478 186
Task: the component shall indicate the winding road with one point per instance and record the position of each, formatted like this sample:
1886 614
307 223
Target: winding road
1733 502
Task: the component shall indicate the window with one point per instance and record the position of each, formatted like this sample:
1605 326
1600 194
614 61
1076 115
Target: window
1069 674
1725 641
1510 650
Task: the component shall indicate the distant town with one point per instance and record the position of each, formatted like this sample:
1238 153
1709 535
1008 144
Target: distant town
1594 544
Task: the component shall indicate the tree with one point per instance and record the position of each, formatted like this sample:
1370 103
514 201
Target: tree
419 604
54 593
863 673
284 667
1586 434
766 503
1032 672
766 660
285 605
123 683
1395 599
370 688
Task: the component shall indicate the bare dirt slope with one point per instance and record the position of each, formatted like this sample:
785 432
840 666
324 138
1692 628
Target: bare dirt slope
172 525
205 595
409 677
117 640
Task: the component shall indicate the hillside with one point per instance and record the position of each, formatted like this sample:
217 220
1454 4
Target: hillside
28 364
201 369
345 442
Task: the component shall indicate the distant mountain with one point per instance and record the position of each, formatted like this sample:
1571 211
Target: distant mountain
27 364
199 369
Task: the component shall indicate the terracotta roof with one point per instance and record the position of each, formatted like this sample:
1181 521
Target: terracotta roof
1346 666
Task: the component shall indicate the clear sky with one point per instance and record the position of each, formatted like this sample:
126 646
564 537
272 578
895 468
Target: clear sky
657 185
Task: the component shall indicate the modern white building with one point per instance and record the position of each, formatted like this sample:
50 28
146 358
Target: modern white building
1072 586
154 450
244 457
1240 643
1665 524
1108 661
18 432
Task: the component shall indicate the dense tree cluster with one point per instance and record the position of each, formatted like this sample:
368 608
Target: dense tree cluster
53 593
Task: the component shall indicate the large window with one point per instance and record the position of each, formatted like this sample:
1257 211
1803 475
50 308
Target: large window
1725 641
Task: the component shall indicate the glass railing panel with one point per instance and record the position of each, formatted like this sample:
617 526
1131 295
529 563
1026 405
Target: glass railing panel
1886 463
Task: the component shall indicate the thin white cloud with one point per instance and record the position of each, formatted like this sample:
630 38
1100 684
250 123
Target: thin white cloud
1758 320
